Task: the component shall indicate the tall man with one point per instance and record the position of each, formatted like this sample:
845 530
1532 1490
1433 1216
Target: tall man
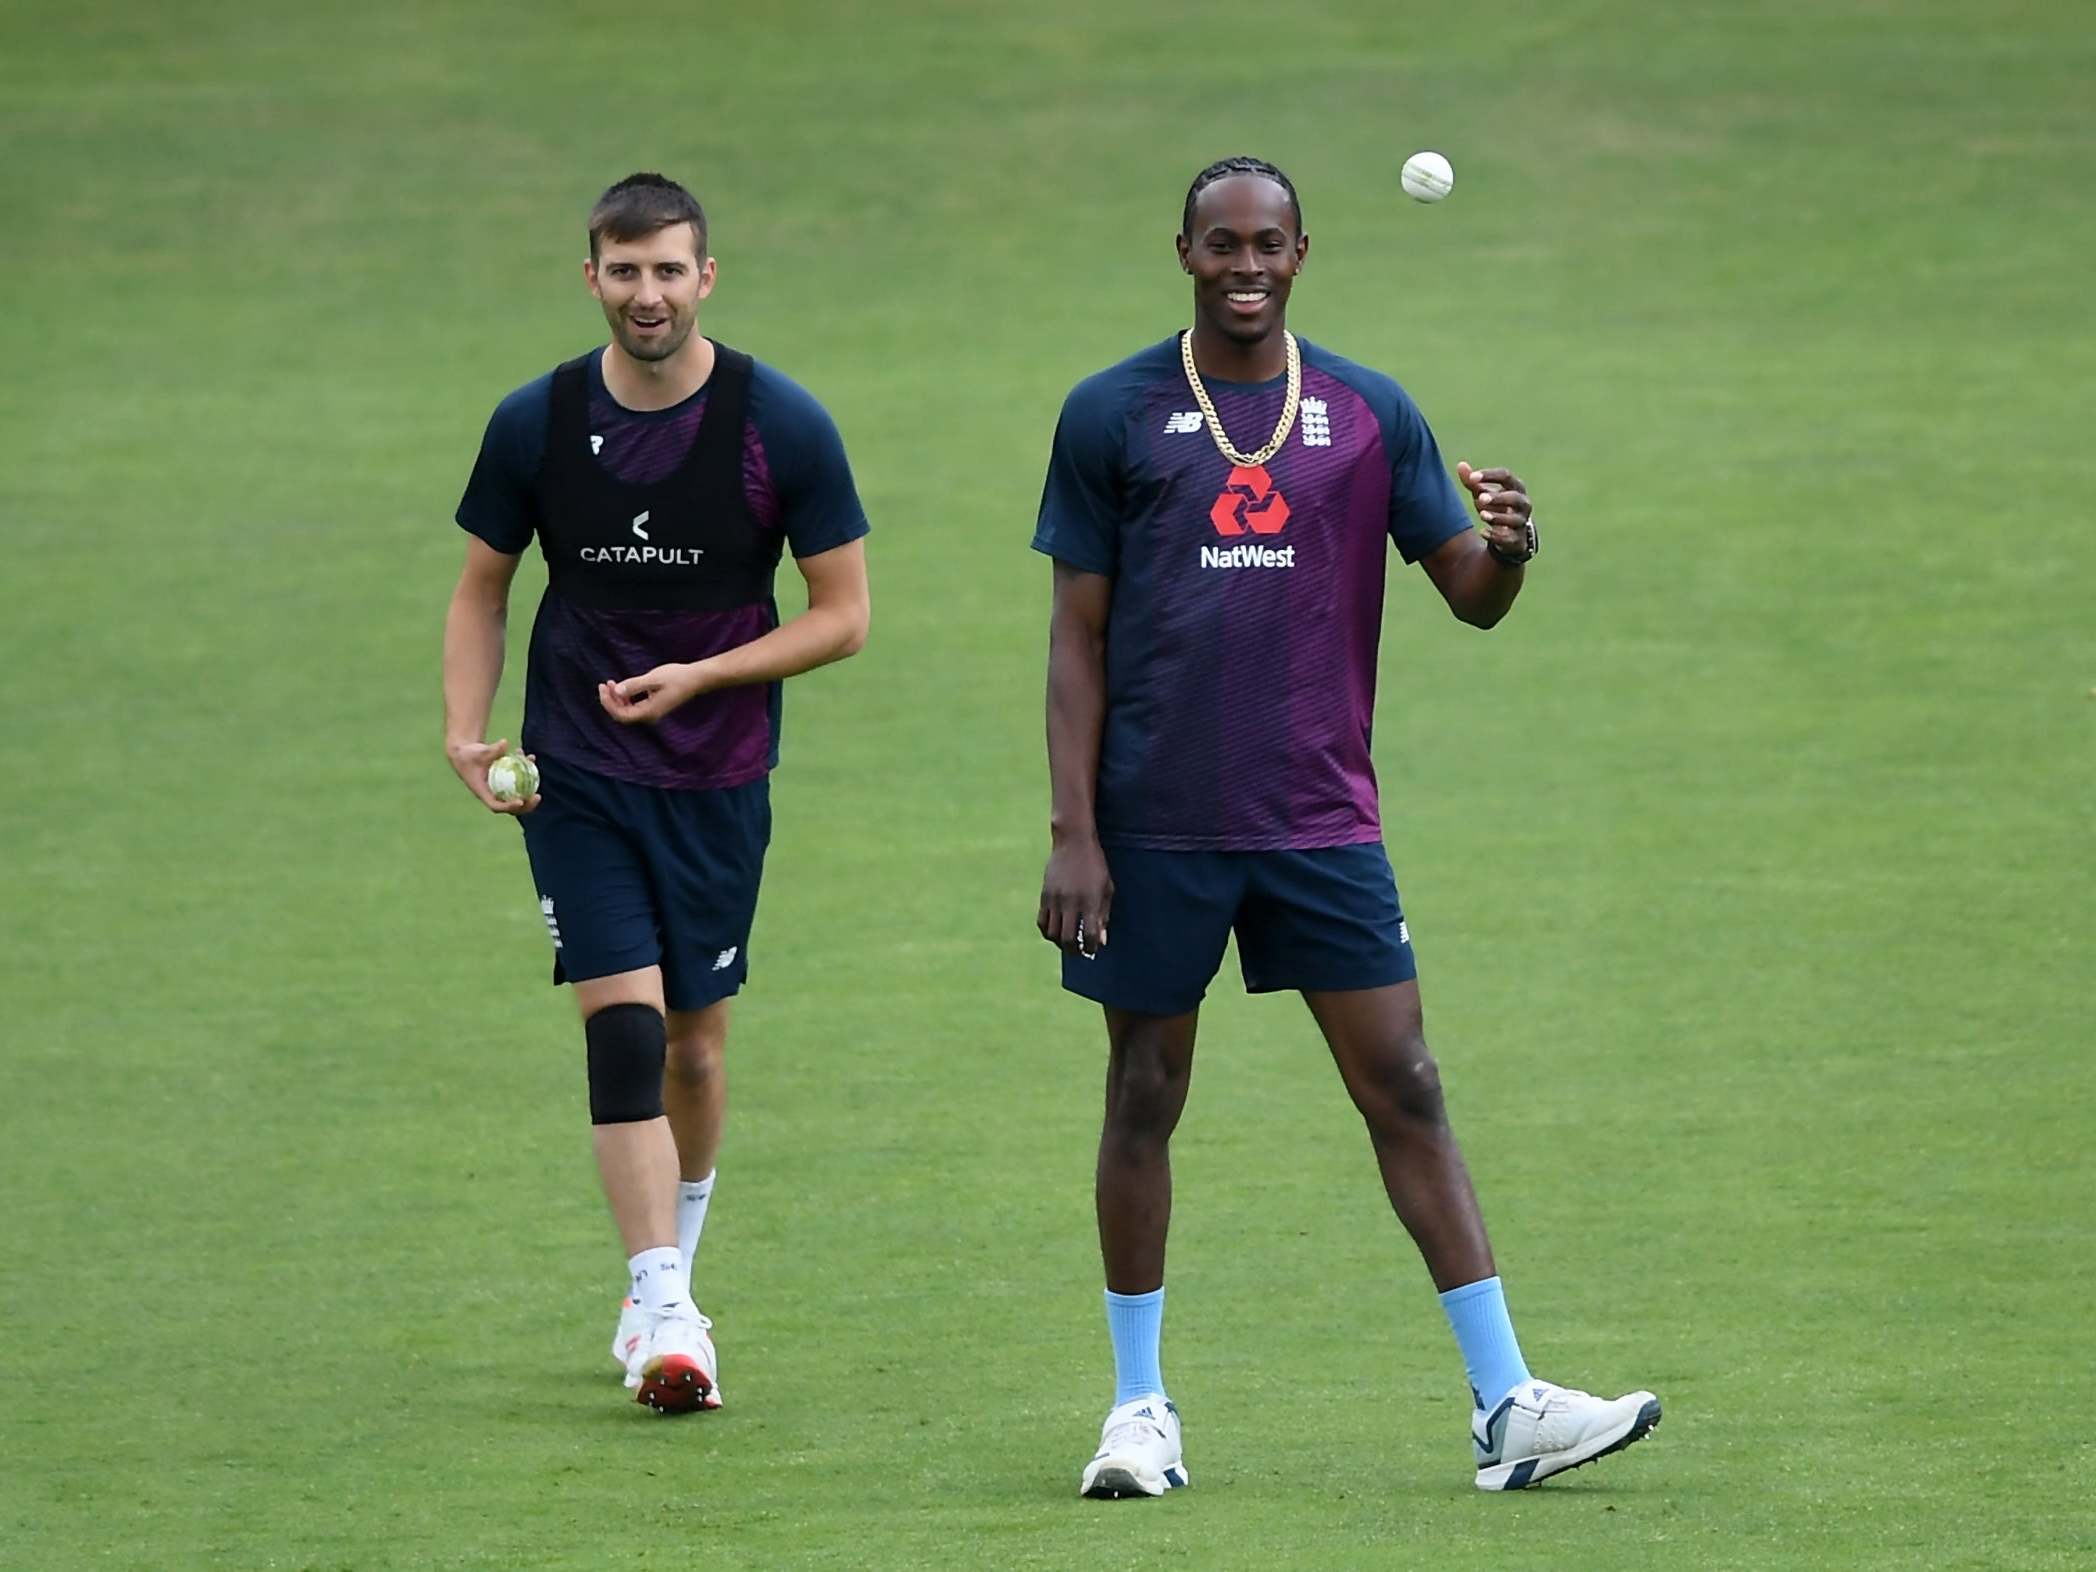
662 476
1211 683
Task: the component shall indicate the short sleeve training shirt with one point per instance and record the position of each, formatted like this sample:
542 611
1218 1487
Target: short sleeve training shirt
1247 603
796 480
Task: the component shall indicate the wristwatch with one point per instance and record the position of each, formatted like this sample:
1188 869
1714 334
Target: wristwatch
1508 559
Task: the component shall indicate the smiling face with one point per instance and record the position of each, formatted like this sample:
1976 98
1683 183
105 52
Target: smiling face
650 289
1243 250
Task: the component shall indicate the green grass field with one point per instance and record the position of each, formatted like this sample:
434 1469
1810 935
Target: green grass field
1750 861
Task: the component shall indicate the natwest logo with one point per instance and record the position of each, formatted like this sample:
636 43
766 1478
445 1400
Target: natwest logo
1248 555
1249 502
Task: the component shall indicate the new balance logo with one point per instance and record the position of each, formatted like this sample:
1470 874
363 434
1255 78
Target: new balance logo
638 520
596 443
1317 423
552 922
726 958
1185 421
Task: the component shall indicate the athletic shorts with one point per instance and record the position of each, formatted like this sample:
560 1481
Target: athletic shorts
631 876
1323 920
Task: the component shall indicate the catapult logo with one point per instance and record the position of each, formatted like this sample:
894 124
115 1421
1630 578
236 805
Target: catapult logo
645 556
1250 504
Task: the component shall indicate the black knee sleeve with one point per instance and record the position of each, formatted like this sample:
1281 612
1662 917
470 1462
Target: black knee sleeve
627 1044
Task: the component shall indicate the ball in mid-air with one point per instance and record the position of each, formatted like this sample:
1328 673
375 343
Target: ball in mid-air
1427 177
513 777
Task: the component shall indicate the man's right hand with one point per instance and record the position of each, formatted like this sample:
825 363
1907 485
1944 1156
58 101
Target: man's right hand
1076 896
471 760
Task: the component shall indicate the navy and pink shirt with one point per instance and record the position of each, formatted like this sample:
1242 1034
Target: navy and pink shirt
796 480
1247 604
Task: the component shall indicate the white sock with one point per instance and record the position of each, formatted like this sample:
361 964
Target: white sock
659 1279
692 1196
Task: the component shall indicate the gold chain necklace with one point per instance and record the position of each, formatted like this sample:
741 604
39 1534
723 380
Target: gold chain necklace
1215 424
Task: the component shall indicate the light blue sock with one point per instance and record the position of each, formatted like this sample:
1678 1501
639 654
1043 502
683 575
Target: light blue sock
1492 1358
1135 1320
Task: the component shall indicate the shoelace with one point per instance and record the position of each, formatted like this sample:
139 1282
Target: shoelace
1556 1398
685 1312
1139 1429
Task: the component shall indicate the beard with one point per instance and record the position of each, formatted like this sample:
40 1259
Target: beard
654 349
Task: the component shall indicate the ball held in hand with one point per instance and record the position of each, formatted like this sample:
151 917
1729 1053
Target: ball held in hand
512 778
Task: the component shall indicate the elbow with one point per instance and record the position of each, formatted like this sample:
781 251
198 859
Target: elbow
1086 639
853 638
1483 618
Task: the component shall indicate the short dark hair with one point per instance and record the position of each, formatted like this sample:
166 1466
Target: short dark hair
1222 169
641 204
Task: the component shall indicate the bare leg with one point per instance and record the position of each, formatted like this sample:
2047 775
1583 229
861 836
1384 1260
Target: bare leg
1149 1063
695 1086
1376 1039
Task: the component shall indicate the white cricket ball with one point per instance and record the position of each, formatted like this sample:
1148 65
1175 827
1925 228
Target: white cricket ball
1427 177
513 777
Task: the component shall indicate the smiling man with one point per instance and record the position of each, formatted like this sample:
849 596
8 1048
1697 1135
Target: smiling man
663 477
1218 508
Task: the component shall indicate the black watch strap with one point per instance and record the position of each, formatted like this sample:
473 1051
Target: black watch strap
1508 559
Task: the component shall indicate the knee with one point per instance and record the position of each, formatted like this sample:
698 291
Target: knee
1144 1094
625 1045
1402 1085
695 1059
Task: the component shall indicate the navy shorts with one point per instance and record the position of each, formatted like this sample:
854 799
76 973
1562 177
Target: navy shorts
1323 920
631 876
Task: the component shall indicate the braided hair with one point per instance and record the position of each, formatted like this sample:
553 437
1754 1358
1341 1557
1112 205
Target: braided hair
1222 169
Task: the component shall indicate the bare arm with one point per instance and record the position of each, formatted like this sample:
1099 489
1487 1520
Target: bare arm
1076 890
840 609
474 631
1478 587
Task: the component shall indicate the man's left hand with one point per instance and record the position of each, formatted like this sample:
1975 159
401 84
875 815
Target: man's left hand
653 694
1503 508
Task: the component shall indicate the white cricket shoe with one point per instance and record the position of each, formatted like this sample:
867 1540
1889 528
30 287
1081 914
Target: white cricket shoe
626 1341
675 1369
1539 1430
1138 1452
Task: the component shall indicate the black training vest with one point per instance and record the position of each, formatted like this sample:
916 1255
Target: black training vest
684 543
